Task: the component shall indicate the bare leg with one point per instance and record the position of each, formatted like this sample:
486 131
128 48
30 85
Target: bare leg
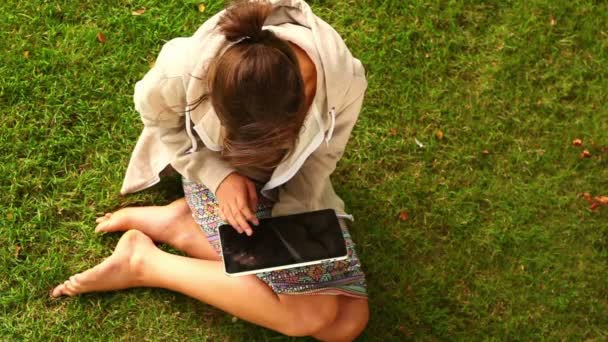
136 262
352 314
351 320
171 224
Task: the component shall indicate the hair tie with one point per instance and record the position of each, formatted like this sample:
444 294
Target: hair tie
242 39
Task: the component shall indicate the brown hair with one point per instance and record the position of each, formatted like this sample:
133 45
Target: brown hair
256 89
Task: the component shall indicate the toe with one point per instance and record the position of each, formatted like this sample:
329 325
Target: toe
70 288
100 227
105 224
57 291
103 218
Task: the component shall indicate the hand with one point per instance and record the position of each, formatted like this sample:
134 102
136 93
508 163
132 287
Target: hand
238 199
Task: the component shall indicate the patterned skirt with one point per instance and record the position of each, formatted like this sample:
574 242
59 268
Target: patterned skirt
331 278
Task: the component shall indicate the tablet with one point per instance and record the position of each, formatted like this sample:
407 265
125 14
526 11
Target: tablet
283 242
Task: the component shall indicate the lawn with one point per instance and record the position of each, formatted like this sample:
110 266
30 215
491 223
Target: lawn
497 242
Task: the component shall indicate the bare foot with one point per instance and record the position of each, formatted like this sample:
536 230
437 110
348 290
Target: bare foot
170 224
123 269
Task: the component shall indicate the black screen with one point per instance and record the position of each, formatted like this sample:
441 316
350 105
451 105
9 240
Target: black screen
285 240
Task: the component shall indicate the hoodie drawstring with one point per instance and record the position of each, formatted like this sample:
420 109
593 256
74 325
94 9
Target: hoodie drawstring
330 132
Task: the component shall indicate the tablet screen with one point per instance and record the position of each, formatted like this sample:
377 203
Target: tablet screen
283 241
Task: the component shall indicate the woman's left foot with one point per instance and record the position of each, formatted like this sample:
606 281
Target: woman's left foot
171 224
123 269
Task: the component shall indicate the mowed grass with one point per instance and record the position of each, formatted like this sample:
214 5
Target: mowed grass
496 246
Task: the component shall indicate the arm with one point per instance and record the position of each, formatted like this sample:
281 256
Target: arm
160 99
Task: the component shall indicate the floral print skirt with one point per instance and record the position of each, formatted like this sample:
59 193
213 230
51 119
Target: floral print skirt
331 278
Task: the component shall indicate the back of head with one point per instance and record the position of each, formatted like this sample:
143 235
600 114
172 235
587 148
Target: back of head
256 88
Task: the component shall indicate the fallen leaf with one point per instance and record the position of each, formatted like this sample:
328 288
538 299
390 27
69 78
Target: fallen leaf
201 7
234 319
439 134
587 196
26 53
418 143
100 37
552 21
485 152
9 216
603 200
405 331
595 202
577 142
404 215
138 11
393 132
585 154
17 250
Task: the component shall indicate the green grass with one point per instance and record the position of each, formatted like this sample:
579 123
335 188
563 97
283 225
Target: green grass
497 246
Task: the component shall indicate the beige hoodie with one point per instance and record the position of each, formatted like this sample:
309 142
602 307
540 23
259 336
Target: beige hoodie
301 182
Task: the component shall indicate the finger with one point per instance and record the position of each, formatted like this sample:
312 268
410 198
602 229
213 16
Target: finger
242 222
249 216
253 196
221 215
230 219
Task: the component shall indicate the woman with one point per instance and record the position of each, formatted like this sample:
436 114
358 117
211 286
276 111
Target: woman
254 111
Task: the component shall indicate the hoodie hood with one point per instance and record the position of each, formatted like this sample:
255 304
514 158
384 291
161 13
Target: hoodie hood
338 68
163 95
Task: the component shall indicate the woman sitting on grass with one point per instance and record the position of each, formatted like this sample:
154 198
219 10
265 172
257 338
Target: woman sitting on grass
254 111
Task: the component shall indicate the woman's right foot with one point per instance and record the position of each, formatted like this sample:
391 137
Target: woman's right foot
122 270
171 224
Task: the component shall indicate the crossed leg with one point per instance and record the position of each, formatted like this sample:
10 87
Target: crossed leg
137 262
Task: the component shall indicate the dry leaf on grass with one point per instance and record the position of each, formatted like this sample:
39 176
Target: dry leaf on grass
485 152
100 37
603 200
201 7
138 11
552 21
439 134
587 196
17 250
595 201
404 215
26 53
393 132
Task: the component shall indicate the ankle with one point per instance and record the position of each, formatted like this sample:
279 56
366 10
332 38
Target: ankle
139 263
180 206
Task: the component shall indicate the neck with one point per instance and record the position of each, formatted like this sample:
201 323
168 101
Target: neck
308 72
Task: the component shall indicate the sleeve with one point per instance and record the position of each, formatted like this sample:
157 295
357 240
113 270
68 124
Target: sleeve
160 99
310 188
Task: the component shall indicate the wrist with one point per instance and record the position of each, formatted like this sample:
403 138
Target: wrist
222 181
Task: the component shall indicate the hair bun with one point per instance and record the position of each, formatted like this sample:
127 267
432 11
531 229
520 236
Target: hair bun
244 19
